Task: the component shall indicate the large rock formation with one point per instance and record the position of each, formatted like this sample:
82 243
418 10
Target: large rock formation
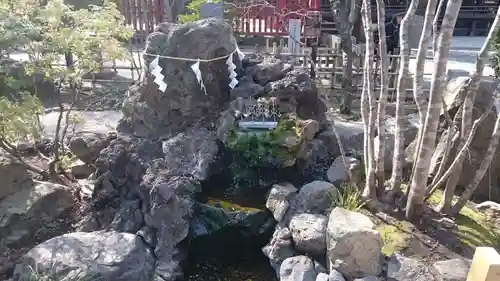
149 178
149 112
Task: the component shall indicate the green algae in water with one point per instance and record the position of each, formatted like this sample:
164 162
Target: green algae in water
230 207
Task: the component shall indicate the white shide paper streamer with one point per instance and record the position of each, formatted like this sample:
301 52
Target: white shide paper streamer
232 73
156 71
196 69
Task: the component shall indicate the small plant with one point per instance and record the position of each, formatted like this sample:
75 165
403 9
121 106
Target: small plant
348 197
255 152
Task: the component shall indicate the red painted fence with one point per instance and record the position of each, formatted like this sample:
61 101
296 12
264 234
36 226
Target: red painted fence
272 18
143 15
265 18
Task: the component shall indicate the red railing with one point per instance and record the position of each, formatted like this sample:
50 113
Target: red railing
271 18
143 15
254 17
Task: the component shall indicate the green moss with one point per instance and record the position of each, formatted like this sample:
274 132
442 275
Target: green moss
394 237
473 229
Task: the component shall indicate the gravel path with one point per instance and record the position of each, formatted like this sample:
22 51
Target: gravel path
95 121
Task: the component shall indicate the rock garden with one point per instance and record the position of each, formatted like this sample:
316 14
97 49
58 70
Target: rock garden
217 183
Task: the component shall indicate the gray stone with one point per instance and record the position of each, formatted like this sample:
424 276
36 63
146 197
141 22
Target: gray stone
316 197
351 135
87 145
279 248
454 97
301 90
335 275
452 270
270 69
400 268
278 200
106 256
14 176
22 213
309 233
191 153
315 159
488 205
81 170
247 88
298 268
337 173
322 277
150 112
353 246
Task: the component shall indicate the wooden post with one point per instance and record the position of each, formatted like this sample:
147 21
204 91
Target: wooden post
314 58
294 26
485 265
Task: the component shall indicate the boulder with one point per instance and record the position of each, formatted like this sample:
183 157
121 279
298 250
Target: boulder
14 176
299 89
279 248
80 169
409 131
333 276
107 256
269 69
23 212
454 97
315 159
337 173
151 112
353 246
400 268
315 197
452 270
309 233
218 214
87 145
298 268
247 88
278 200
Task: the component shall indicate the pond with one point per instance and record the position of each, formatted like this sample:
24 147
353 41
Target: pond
230 254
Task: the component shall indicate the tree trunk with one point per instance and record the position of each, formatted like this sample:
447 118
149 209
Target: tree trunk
435 25
403 75
384 88
415 203
468 107
369 121
341 12
172 9
418 80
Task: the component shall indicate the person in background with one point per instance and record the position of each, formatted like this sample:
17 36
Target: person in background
392 34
